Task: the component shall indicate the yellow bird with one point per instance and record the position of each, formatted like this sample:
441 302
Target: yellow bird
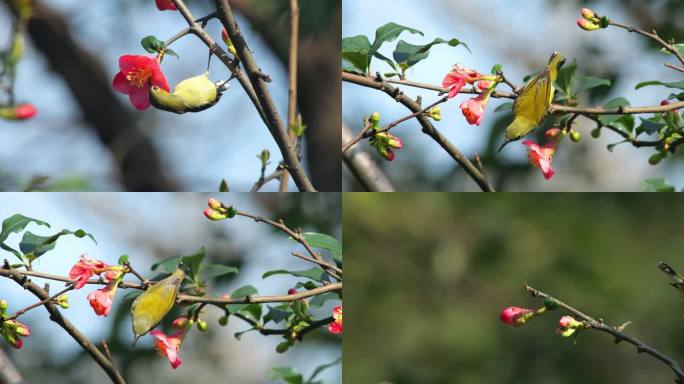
532 103
152 305
677 279
190 95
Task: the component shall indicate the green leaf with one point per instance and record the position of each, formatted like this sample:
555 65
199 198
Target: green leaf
388 33
15 224
194 263
278 314
171 52
676 84
37 245
210 271
319 300
319 240
224 186
123 259
241 292
496 69
656 185
151 44
504 107
169 264
591 82
356 51
408 55
287 374
626 123
315 273
566 78
649 126
612 104
387 60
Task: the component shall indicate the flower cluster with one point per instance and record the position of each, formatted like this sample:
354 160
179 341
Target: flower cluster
101 299
473 109
516 316
591 21
383 142
217 211
12 330
336 326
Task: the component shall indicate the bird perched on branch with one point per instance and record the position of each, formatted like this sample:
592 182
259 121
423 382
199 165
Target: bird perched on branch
190 95
533 101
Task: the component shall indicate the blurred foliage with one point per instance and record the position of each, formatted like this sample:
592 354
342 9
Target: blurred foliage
432 272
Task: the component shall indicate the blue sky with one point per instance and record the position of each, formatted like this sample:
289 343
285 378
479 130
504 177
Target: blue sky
521 36
144 226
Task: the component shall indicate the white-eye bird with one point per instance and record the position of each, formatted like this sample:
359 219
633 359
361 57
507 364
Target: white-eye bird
533 101
676 278
190 95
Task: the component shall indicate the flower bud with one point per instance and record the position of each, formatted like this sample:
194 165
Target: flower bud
202 325
229 43
575 136
223 321
435 113
215 204
13 340
567 326
588 14
180 323
18 112
3 306
515 316
214 215
587 25
22 329
554 134
375 118
63 301
655 159
291 291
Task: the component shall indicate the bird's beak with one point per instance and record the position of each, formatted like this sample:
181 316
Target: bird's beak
505 143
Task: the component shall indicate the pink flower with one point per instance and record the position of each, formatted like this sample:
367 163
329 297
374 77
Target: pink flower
137 74
484 85
473 109
540 157
169 346
511 315
84 269
101 300
457 78
166 5
336 326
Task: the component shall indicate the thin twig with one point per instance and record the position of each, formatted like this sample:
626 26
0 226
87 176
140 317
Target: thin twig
273 120
56 316
616 333
292 83
321 263
654 36
50 299
364 168
279 173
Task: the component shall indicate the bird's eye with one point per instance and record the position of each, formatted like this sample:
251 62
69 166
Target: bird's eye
154 88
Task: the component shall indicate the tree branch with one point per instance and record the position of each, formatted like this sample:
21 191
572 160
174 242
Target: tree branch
424 121
362 166
616 333
292 84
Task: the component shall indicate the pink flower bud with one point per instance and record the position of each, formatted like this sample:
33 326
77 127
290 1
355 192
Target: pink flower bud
587 25
512 315
214 215
588 14
102 299
291 291
18 112
215 204
165 5
553 133
180 322
336 326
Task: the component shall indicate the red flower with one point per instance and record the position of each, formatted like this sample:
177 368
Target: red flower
457 78
336 326
473 109
18 112
137 74
511 315
84 269
166 5
169 346
101 300
540 157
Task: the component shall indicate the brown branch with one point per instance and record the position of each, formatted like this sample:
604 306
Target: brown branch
321 263
366 171
555 108
292 83
654 36
50 299
368 130
424 121
256 77
56 316
619 336
279 173
334 287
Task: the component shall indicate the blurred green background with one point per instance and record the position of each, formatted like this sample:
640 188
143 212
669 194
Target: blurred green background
431 273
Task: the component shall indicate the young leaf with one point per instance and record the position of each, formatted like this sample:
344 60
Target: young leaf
591 82
244 291
210 271
151 44
169 264
315 273
356 51
286 374
656 185
194 262
612 104
319 240
408 55
387 33
676 84
318 300
38 245
566 78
